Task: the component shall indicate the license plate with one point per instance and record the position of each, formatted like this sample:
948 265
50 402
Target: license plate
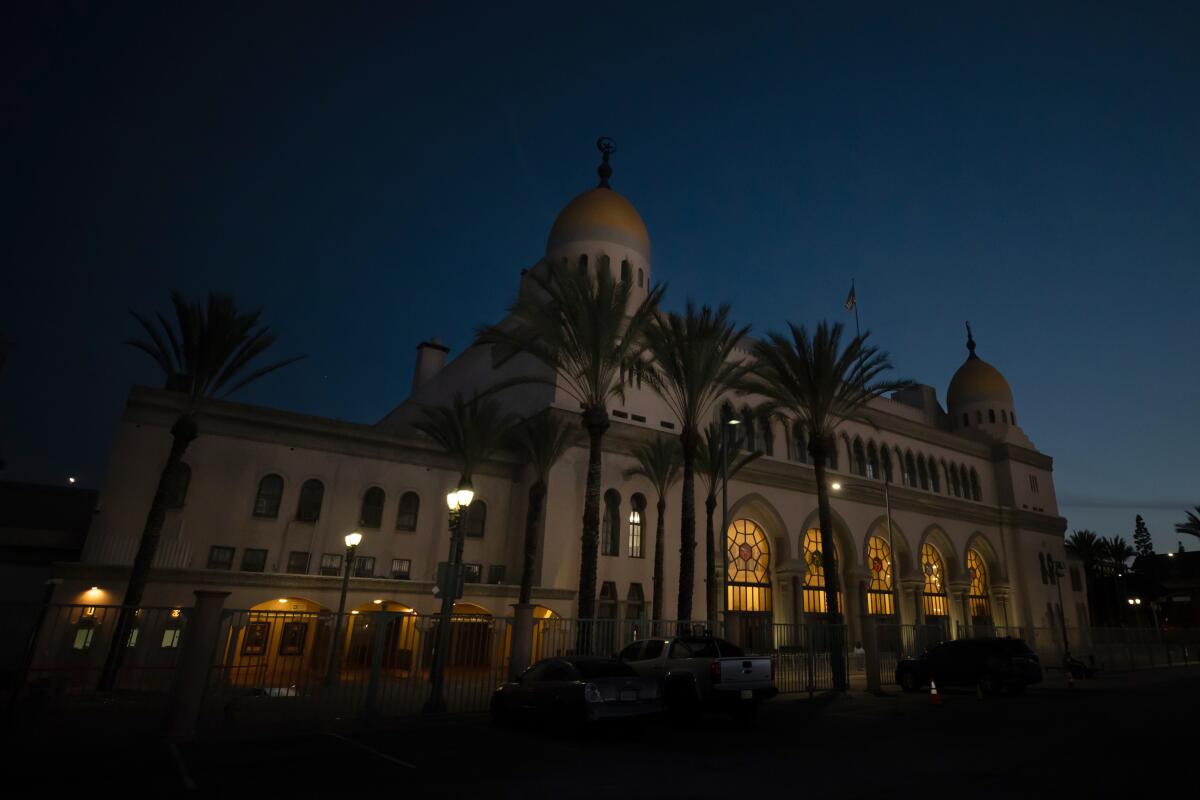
747 694
628 695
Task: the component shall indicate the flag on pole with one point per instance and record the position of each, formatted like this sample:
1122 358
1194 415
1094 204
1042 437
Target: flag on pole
851 300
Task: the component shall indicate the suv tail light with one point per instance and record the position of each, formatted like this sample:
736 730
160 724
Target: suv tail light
714 671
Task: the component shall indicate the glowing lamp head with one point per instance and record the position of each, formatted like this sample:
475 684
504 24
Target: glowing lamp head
377 602
460 497
837 487
71 480
353 539
634 517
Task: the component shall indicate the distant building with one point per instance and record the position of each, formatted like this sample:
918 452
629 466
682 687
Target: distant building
1175 580
39 525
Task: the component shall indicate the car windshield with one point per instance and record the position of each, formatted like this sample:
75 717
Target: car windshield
603 668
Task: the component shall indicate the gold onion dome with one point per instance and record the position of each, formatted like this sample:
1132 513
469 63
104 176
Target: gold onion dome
977 383
600 215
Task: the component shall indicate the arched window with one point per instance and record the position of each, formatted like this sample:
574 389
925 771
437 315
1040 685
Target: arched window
312 494
886 463
814 576
637 516
606 603
610 529
880 597
799 447
749 440
934 596
978 596
766 435
372 508
966 420
831 453
1004 416
1013 416
583 261
872 461
978 416
641 277
626 272
635 611
955 486
858 459
749 576
922 472
992 415
965 480
910 470
935 480
476 522
270 493
976 494
410 508
181 480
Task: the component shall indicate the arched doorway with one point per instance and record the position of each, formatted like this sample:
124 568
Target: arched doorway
934 604
748 583
814 575
979 595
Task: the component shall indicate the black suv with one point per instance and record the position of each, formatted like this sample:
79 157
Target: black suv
992 664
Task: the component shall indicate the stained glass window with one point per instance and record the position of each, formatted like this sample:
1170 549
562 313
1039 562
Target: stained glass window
981 606
880 599
814 577
934 601
749 575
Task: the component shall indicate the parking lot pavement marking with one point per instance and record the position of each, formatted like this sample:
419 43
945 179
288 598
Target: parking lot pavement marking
373 751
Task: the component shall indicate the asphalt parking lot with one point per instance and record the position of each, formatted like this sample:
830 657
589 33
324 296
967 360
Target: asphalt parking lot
1104 737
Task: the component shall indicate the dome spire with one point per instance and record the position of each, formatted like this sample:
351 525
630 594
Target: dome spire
607 147
970 342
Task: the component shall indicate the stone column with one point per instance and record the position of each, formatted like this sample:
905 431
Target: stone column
959 607
195 661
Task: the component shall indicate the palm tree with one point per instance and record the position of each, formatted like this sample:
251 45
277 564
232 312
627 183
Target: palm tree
821 384
541 441
1191 525
1117 550
1088 548
470 432
209 349
582 328
658 462
715 463
692 367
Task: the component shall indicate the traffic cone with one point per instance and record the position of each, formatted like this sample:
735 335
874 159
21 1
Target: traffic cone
935 699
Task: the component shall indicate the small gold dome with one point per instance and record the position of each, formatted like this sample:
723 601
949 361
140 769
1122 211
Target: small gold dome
601 215
977 381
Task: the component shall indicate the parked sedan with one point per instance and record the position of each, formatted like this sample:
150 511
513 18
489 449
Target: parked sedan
991 664
576 689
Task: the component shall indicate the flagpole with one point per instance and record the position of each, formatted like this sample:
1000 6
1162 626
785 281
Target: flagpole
857 328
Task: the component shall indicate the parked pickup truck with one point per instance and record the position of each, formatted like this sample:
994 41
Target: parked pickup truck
703 672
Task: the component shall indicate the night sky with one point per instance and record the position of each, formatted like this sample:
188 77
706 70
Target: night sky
374 175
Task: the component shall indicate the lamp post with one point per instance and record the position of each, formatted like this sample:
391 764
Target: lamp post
457 501
727 425
353 540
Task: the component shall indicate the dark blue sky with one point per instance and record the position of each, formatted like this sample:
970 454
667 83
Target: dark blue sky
375 176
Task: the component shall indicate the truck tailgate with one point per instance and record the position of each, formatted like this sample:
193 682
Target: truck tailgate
743 673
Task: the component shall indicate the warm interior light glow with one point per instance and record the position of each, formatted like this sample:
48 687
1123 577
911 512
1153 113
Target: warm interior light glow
353 612
634 517
377 602
283 599
175 613
94 589
353 539
837 487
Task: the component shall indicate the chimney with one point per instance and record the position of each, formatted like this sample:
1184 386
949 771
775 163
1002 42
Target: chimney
431 357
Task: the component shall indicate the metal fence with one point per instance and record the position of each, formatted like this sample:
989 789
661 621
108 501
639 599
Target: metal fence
1103 648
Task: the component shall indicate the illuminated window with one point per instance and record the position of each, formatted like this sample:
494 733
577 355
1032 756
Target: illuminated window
170 639
934 601
981 607
749 575
636 518
814 577
880 597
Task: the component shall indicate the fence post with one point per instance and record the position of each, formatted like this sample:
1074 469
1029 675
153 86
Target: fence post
522 639
195 662
383 623
871 659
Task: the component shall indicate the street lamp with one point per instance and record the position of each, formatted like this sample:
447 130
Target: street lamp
353 540
457 501
727 426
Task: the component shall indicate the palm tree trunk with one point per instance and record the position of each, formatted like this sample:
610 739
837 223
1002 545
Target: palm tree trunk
595 420
537 493
837 655
183 432
658 611
687 530
710 541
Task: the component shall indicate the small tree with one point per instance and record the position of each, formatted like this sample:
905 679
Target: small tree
1141 538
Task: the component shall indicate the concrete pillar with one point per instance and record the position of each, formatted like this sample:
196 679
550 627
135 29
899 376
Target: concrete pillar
195 661
960 610
522 639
